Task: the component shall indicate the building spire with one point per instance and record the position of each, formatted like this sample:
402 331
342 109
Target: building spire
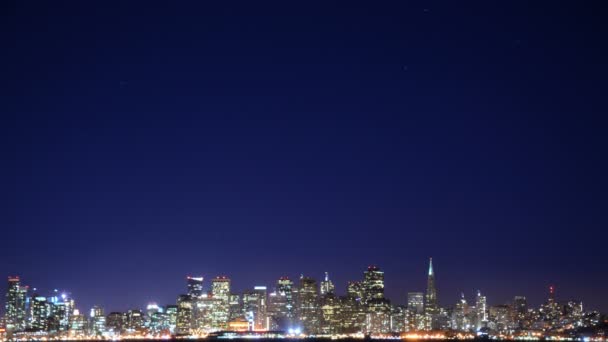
430 306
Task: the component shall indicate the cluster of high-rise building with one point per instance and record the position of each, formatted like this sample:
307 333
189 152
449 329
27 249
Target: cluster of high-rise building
299 307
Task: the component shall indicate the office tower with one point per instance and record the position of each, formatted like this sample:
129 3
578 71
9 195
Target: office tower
235 306
114 323
159 323
330 307
460 315
40 313
134 322
373 284
152 308
354 290
255 308
78 324
551 310
65 306
220 291
195 286
398 319
573 314
281 304
415 302
415 311
431 292
184 315
327 287
481 311
220 288
308 309
378 316
98 321
431 308
206 311
171 311
61 308
500 317
520 305
15 309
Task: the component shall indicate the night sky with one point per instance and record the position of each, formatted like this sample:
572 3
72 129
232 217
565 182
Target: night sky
142 143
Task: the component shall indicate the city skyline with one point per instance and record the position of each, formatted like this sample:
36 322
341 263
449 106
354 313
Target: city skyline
298 308
536 296
205 286
145 142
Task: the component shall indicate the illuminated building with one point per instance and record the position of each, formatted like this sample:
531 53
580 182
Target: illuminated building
235 306
330 314
171 311
415 302
204 314
307 305
500 318
551 310
354 290
415 311
195 286
152 308
255 308
373 284
184 315
460 319
481 311
281 305
220 290
134 322
40 313
98 321
352 315
159 323
378 316
431 307
398 319
78 324
15 308
327 287
114 322
238 324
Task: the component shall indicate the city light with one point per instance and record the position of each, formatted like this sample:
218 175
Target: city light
300 309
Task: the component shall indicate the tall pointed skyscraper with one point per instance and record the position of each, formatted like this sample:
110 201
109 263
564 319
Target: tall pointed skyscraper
430 306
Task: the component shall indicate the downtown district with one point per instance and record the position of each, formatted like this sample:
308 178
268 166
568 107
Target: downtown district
297 309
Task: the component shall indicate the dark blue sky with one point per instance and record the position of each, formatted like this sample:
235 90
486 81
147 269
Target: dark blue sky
141 143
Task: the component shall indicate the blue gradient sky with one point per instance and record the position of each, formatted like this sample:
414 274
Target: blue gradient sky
141 143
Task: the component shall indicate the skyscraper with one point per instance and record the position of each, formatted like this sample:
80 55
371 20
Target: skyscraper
195 286
98 321
327 287
15 305
220 291
308 305
183 322
114 322
431 292
481 310
415 311
431 309
281 304
373 284
354 290
415 302
40 313
255 307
